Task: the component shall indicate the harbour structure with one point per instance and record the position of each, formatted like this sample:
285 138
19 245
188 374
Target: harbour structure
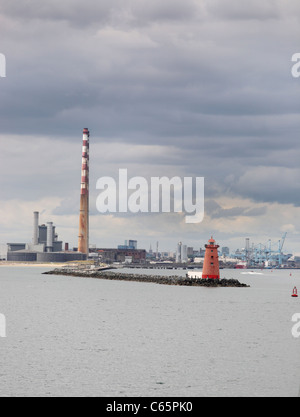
267 255
211 269
83 237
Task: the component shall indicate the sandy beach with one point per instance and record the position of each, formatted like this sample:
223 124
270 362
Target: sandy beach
30 264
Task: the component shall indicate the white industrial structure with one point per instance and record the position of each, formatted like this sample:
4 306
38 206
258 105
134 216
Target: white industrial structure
181 253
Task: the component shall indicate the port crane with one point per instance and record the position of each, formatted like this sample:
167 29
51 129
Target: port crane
280 247
262 253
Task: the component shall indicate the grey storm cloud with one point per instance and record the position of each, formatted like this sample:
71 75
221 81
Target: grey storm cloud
216 211
236 9
179 71
207 82
108 10
112 12
270 184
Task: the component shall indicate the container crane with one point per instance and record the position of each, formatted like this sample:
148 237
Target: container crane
280 247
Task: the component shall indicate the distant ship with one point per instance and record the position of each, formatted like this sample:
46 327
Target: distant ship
241 265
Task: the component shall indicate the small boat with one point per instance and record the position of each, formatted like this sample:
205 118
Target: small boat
241 265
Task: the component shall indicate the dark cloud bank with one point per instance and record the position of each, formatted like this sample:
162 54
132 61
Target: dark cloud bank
209 79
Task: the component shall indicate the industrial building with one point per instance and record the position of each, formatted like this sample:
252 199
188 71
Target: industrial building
122 255
45 246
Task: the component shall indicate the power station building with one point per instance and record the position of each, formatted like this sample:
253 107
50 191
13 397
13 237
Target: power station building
45 246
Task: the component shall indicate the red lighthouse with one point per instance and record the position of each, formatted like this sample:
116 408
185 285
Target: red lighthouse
211 268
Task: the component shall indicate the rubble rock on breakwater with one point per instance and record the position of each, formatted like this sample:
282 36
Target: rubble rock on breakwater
164 280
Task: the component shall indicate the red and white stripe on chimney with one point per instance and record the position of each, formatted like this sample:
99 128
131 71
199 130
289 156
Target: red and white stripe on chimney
85 163
83 237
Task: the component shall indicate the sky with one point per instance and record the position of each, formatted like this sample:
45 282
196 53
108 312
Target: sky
200 88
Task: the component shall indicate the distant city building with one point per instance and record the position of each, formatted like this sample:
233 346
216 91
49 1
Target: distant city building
181 254
225 251
122 255
184 256
190 252
178 253
131 244
150 250
201 253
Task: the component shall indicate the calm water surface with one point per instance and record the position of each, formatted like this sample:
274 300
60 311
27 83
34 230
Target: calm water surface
86 337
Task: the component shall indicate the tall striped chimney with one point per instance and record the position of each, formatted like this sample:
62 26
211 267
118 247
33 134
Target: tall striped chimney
83 241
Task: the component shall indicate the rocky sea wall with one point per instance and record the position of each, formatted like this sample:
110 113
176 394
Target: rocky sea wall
163 280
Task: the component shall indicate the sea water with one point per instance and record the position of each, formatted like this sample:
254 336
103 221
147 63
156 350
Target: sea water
69 336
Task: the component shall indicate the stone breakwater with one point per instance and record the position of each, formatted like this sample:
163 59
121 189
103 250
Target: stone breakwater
164 280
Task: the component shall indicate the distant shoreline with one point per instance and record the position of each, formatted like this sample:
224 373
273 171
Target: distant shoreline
32 264
57 264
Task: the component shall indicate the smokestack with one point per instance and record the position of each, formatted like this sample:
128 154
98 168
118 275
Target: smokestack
35 239
83 241
49 246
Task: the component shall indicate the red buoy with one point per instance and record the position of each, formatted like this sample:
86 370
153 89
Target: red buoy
295 292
